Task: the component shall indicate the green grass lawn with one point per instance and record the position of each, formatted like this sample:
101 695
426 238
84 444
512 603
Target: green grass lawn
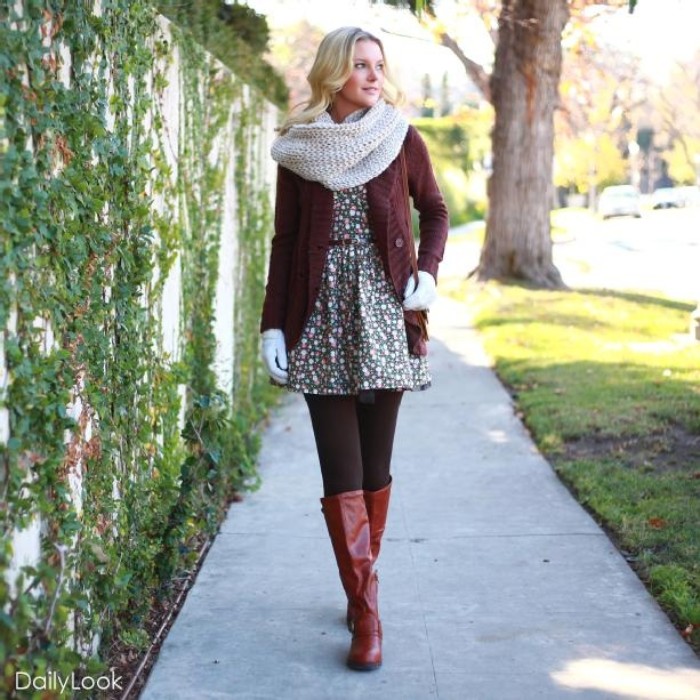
565 223
609 385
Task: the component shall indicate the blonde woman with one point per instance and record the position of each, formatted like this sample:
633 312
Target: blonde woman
339 319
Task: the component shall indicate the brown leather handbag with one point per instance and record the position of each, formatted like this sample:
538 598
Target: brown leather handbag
413 318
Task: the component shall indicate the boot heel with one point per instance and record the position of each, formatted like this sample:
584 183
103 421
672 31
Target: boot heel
366 648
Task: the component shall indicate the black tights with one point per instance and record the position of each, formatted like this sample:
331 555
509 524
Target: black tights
354 439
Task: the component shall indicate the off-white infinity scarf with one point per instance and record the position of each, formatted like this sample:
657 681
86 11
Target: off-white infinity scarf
347 154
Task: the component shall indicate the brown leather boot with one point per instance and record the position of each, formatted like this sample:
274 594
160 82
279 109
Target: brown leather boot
348 527
377 505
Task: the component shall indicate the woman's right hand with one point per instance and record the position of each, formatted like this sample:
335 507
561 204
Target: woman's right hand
274 354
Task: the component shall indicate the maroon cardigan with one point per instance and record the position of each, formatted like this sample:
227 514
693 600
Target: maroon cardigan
303 218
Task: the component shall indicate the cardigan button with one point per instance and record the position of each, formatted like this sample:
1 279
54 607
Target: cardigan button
399 242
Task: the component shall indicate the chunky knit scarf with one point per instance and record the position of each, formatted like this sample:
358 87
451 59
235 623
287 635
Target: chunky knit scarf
343 155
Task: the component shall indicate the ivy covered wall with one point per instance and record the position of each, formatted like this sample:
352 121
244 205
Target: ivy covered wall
134 213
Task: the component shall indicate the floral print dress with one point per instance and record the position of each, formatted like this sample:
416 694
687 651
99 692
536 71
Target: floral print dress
355 337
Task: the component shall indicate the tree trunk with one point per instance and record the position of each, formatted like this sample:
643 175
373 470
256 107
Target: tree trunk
524 92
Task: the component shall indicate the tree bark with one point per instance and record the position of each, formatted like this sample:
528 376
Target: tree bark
524 92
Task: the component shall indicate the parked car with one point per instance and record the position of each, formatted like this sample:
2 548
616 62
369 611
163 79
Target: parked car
666 198
689 196
671 197
620 200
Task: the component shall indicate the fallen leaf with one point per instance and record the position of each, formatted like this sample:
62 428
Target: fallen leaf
657 523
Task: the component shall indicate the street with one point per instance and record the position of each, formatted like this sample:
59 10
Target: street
660 252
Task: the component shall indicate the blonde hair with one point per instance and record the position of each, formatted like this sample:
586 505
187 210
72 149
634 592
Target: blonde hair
331 69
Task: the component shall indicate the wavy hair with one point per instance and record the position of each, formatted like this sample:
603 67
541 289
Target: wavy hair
331 69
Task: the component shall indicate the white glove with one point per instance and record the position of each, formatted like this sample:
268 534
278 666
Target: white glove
421 297
274 354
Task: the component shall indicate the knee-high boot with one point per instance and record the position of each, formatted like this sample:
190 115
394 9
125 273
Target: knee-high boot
348 527
377 505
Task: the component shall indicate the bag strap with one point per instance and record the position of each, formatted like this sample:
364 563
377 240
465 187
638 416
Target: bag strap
411 242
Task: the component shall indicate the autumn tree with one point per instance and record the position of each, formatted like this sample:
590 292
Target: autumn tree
600 93
292 52
523 88
676 107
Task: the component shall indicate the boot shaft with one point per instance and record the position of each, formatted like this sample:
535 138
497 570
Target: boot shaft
377 505
349 531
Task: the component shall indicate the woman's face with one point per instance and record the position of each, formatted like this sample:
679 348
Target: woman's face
364 86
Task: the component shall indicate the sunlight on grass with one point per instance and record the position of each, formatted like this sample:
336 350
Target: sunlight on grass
565 224
571 222
620 360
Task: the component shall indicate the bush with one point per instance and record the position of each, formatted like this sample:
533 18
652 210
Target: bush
456 145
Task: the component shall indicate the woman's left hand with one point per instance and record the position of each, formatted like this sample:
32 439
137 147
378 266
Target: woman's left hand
419 298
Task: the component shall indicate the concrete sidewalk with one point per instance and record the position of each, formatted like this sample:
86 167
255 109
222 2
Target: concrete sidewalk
494 583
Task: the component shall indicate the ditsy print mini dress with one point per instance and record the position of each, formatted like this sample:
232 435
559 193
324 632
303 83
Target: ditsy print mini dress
355 337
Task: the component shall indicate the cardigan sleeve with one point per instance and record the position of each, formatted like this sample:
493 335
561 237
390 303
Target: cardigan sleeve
428 200
281 251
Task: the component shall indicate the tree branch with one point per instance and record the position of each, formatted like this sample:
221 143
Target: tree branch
424 12
475 71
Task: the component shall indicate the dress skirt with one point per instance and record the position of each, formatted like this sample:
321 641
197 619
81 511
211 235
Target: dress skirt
355 338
